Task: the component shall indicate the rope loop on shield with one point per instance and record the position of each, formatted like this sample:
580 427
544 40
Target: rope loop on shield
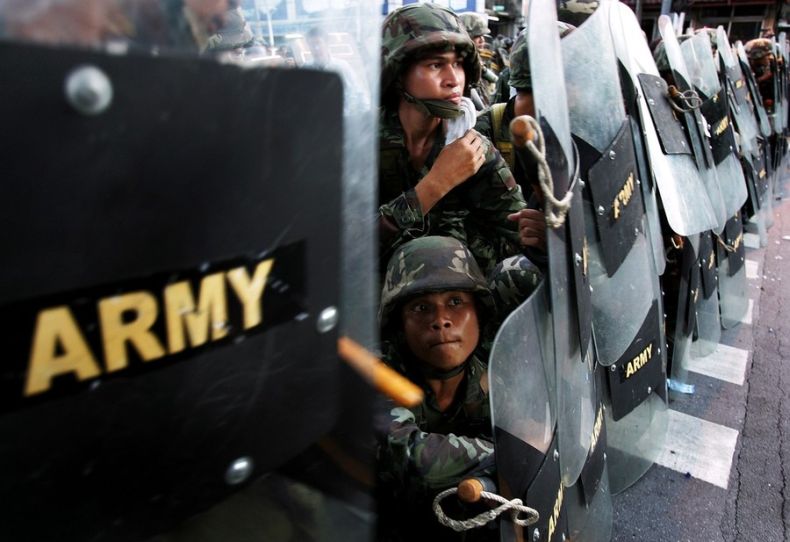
689 99
513 507
556 209
727 248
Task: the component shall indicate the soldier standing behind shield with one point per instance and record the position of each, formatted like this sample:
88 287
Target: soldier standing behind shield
437 176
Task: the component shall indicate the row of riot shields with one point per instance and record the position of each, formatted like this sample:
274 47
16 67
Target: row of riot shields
666 171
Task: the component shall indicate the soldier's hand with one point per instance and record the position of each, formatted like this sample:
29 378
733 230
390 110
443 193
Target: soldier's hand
455 164
531 227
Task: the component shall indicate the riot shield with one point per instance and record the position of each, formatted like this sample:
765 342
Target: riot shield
683 290
523 412
708 322
623 278
740 106
182 297
524 418
569 283
734 299
754 91
687 203
701 67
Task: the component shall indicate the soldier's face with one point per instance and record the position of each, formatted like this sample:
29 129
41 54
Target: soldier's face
441 328
439 76
480 42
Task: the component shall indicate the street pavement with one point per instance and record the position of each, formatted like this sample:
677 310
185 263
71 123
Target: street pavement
722 474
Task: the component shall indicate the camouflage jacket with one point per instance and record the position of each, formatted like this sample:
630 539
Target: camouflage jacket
475 212
424 450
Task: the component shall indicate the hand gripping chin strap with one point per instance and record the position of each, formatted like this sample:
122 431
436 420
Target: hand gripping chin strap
434 108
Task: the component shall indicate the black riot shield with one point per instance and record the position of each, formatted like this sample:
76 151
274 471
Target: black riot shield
734 298
171 313
690 203
622 273
567 245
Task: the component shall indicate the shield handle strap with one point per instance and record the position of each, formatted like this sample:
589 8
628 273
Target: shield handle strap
525 132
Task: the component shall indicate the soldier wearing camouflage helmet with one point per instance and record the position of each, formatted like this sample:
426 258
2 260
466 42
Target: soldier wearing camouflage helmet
434 305
763 63
438 176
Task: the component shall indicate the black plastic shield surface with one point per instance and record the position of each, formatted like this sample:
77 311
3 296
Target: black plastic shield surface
707 261
223 169
670 130
733 237
722 137
617 199
639 372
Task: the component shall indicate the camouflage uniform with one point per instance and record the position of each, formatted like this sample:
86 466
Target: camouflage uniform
476 25
475 212
575 12
424 450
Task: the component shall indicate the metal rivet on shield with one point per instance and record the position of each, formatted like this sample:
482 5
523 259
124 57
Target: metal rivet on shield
601 210
88 90
536 535
577 258
327 320
651 101
659 350
613 368
239 471
649 390
556 455
612 155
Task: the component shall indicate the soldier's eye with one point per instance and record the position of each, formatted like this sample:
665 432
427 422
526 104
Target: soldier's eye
455 301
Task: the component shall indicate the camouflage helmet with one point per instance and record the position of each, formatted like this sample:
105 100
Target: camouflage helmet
520 73
476 24
413 28
759 49
430 264
575 12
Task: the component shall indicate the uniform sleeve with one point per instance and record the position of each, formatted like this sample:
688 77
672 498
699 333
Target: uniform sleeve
428 462
494 195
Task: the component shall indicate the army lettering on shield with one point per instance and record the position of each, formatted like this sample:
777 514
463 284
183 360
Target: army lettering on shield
59 344
125 323
555 512
639 361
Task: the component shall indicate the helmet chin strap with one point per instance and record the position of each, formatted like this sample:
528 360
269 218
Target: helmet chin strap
434 108
433 373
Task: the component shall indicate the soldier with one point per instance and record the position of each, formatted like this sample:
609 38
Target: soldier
429 183
476 25
435 305
761 59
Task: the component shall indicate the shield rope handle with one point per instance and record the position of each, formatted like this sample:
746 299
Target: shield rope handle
471 490
688 98
526 133
727 248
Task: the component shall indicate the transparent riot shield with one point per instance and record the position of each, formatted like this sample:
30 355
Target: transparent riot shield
623 277
523 410
754 92
740 106
708 321
700 66
734 298
686 202
569 285
187 258
684 291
